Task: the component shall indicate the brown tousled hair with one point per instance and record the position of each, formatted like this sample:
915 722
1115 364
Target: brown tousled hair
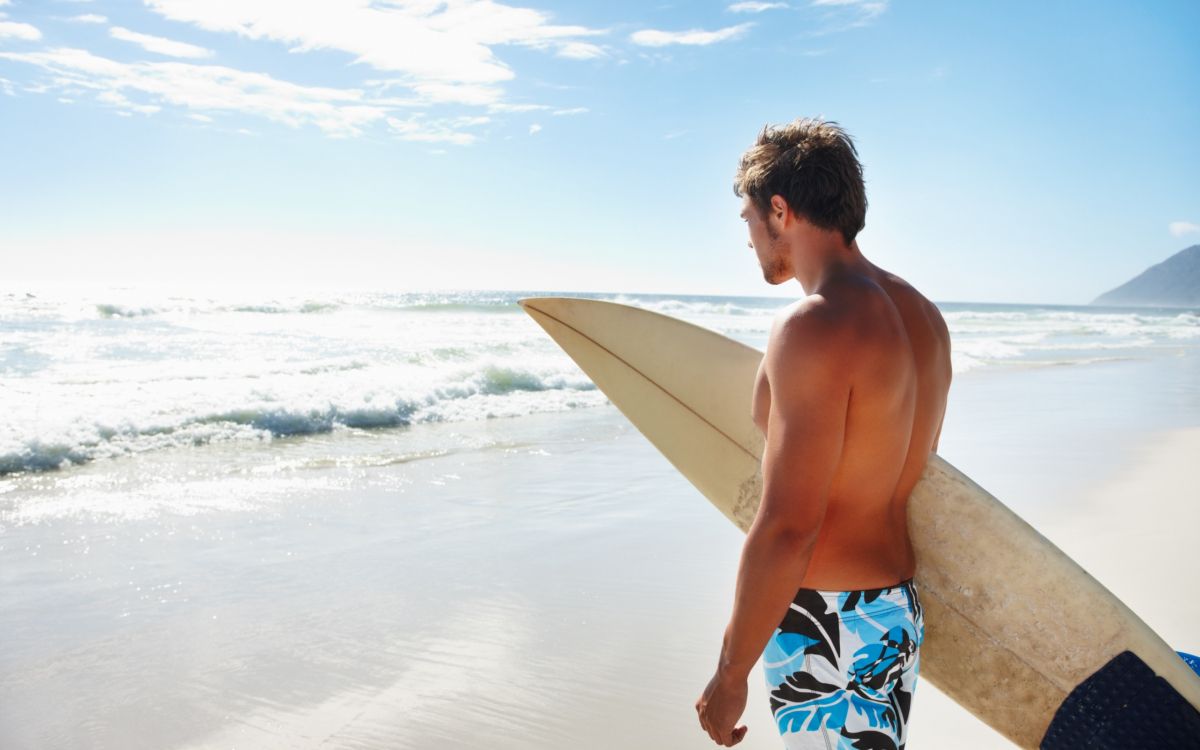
814 166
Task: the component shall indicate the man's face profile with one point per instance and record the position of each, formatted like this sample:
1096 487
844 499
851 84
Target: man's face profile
764 240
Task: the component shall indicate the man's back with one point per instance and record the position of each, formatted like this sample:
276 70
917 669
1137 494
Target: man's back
895 354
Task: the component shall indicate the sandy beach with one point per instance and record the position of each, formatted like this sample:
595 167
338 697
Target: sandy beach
594 633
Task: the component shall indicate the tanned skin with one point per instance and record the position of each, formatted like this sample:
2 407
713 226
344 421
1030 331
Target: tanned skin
850 397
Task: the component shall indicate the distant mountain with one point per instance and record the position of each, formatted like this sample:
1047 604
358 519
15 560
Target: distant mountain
1173 283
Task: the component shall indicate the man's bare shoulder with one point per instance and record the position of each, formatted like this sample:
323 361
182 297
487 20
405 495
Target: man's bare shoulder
809 359
853 310
811 330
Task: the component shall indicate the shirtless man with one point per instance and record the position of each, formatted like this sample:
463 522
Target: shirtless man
850 397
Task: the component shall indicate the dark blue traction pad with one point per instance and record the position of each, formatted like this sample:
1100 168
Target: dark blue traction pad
1124 706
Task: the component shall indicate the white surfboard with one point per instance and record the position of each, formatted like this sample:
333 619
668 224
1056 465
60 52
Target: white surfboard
1013 625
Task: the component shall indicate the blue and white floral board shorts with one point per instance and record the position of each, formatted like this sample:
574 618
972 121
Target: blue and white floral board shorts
842 667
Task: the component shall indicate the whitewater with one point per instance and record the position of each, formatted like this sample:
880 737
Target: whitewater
112 372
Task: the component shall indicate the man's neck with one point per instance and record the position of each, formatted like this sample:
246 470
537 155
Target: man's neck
835 260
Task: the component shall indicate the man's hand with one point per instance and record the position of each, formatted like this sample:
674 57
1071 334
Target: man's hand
720 707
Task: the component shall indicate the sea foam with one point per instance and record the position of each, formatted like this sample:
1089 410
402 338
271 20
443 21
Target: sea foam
118 372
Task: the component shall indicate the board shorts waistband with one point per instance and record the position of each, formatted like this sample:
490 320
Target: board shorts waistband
837 600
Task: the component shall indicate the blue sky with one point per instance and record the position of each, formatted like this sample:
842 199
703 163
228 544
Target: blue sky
1017 151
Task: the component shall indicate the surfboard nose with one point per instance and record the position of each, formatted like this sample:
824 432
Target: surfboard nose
553 307
536 303
541 309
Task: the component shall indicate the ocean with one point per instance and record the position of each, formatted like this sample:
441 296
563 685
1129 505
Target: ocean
407 520
118 373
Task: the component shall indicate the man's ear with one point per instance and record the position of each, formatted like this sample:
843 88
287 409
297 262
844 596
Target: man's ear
779 209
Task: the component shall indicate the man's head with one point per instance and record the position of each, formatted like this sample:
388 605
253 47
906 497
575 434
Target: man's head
813 166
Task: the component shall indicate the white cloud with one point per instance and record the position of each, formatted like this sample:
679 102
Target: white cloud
864 10
429 40
754 7
199 117
336 112
14 30
439 53
158 44
458 93
571 111
654 38
1180 228
506 107
535 129
580 50
118 99
417 128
